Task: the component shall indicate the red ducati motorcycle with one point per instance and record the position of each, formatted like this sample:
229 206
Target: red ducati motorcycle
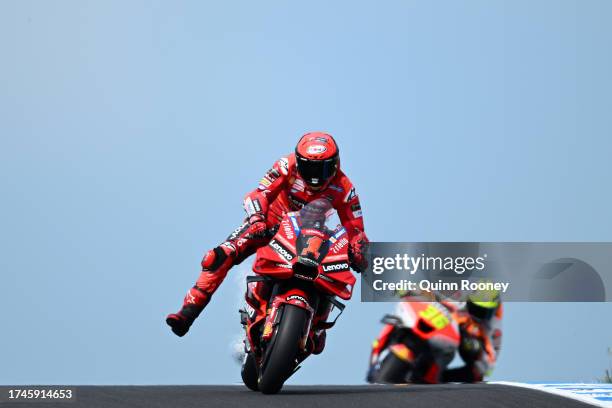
299 276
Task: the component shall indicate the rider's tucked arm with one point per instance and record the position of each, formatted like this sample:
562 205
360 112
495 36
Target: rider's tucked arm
271 184
349 212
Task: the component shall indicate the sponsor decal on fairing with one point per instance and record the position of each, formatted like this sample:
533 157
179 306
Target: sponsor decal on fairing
339 245
336 267
326 278
284 266
288 229
298 298
337 235
296 227
281 250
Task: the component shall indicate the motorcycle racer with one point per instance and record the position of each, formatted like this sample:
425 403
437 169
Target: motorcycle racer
311 172
479 335
480 328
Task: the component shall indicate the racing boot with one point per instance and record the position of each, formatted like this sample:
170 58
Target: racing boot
215 265
193 304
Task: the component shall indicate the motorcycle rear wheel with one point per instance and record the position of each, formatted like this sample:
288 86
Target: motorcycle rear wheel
249 372
279 361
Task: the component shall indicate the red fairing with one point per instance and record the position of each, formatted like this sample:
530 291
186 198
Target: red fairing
295 297
334 274
381 343
275 259
447 332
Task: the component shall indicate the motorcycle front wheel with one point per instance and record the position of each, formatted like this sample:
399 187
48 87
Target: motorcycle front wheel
280 356
393 370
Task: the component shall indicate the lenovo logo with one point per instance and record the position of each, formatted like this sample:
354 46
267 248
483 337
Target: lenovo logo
281 250
343 266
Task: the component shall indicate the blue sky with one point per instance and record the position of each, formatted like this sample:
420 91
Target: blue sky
130 131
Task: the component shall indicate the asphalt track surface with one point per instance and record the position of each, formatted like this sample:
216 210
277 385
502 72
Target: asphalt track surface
229 396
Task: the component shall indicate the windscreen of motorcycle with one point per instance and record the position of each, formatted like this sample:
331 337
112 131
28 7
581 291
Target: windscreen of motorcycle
316 222
318 214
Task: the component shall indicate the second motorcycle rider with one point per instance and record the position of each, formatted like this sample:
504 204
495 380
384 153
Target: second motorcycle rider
312 172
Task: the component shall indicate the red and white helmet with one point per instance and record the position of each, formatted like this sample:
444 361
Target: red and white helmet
318 159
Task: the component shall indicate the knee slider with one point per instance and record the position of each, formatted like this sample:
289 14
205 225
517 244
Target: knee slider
216 257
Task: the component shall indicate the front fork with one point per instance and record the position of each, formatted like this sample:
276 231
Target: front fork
380 343
292 296
265 299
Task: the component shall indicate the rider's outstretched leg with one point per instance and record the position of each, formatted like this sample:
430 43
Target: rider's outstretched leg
215 265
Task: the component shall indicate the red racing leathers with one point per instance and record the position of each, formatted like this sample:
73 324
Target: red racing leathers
280 190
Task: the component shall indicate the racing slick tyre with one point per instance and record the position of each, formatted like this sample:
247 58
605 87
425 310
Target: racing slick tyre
280 357
249 372
393 370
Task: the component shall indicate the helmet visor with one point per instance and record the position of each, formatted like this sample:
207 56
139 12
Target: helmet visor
482 311
316 172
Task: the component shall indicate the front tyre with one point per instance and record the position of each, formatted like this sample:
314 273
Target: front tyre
279 361
393 370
